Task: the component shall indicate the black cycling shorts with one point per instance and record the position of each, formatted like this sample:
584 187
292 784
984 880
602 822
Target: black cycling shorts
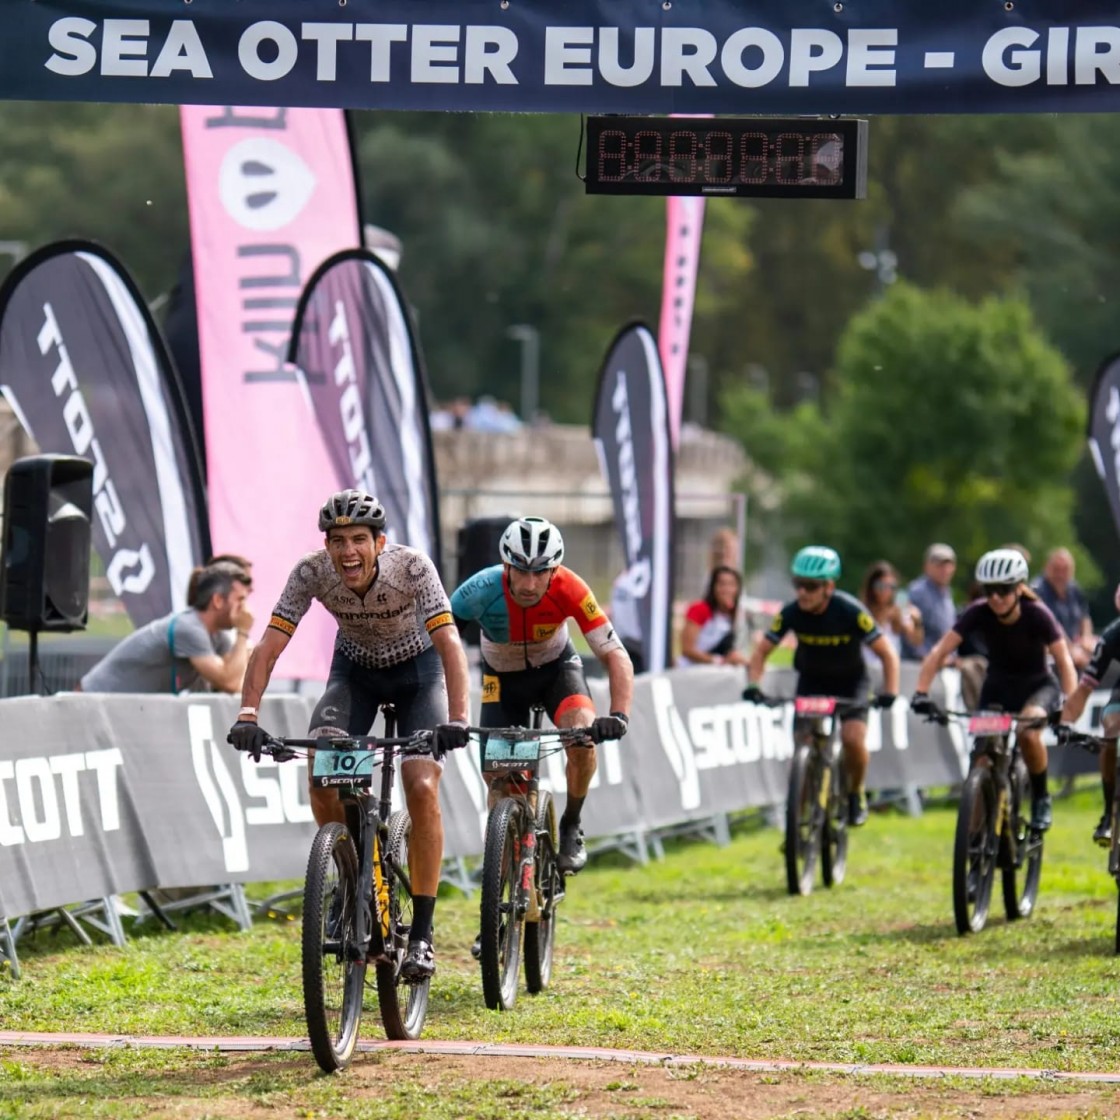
559 686
852 688
349 703
1013 694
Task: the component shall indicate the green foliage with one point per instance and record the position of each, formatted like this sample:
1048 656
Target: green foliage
950 421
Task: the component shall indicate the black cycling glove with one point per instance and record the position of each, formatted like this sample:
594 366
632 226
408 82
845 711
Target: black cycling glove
449 737
609 727
922 704
246 735
1053 718
885 700
753 694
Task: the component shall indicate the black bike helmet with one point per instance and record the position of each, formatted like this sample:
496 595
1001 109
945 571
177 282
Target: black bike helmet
351 507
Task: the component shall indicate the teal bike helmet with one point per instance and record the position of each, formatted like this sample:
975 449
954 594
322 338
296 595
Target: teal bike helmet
816 562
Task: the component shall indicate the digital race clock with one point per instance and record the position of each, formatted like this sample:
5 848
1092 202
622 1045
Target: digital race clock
737 157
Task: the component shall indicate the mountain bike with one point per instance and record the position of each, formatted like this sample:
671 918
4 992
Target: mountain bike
993 822
817 796
357 898
521 883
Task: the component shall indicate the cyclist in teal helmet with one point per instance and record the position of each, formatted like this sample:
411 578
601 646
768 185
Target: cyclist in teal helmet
831 628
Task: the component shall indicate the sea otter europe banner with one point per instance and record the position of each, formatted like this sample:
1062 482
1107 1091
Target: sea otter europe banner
630 427
272 194
1104 431
85 369
354 347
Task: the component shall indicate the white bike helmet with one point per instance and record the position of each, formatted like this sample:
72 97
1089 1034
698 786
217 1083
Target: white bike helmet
1002 565
532 544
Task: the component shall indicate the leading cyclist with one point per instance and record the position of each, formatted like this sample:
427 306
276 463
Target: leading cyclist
522 606
831 628
1018 632
396 644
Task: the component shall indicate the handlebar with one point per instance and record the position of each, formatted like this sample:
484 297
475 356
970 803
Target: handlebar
284 748
561 736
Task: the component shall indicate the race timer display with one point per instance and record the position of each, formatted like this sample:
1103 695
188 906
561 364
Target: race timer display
722 156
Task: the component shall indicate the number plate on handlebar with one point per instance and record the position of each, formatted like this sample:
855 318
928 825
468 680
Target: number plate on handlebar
343 768
814 705
989 723
502 754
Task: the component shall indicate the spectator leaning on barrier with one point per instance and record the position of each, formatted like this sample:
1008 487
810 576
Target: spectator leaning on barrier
831 627
711 624
396 644
186 651
1057 588
879 594
1107 651
932 594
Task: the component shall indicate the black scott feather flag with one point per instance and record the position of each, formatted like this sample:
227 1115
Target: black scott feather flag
1104 431
84 368
354 346
631 432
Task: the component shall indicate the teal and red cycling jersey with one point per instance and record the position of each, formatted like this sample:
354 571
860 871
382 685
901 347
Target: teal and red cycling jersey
516 637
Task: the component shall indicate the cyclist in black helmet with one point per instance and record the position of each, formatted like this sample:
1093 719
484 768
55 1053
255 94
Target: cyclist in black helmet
396 643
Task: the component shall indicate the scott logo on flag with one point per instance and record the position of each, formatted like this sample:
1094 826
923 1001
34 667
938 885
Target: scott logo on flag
263 184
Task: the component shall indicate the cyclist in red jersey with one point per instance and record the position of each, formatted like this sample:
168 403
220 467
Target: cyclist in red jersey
522 607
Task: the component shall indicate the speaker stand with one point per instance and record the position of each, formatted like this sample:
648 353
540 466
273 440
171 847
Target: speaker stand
34 682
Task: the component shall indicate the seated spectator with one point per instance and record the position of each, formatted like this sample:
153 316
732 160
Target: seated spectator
711 624
241 562
932 594
186 651
879 593
1057 588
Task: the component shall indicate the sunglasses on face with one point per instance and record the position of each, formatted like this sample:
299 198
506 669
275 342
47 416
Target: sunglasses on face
807 585
1000 589
884 585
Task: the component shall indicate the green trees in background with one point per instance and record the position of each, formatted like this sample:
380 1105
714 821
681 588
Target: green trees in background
949 421
497 231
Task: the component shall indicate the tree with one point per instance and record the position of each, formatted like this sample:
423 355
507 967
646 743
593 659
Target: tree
948 421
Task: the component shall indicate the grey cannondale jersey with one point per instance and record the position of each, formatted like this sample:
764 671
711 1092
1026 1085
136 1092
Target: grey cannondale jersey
391 624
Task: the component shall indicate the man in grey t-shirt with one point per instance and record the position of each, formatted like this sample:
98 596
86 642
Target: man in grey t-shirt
187 651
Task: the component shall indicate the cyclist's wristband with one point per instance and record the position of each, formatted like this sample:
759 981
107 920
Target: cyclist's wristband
622 716
247 711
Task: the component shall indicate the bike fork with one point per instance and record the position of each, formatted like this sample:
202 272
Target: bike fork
527 889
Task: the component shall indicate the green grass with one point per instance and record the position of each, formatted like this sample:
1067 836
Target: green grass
702 953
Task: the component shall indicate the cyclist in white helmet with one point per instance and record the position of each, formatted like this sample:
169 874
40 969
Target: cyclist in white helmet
522 607
1018 632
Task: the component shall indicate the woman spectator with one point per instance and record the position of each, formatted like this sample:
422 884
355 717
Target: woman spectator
879 593
711 624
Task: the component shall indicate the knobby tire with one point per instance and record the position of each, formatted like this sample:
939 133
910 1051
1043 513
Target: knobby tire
802 821
500 922
333 980
974 852
403 1003
1021 873
834 839
540 936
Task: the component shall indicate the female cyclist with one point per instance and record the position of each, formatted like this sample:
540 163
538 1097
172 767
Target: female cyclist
1018 632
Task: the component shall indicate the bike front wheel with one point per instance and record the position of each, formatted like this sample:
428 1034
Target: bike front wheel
803 821
1023 871
549 883
334 966
834 837
501 918
974 852
403 1003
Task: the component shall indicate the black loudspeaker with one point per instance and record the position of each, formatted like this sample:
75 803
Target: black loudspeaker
44 581
477 548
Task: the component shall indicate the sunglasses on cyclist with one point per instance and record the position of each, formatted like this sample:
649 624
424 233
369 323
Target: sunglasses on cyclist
1000 589
807 584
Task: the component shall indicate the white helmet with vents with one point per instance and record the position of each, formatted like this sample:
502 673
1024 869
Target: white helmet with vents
532 544
1002 565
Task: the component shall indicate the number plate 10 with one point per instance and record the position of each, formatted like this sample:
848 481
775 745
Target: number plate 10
343 768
